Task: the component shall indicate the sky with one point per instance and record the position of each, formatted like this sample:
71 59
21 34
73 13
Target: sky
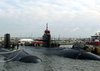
65 18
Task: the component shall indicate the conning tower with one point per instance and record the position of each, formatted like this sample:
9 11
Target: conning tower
46 37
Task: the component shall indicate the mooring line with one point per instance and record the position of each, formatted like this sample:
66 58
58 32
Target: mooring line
11 58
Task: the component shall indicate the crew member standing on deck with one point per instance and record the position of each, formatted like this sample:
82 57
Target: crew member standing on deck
17 45
13 45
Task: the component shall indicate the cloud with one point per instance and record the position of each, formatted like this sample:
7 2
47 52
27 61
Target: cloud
32 15
75 29
65 28
97 31
87 29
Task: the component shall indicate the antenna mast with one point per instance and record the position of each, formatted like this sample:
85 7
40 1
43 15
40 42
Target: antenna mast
46 26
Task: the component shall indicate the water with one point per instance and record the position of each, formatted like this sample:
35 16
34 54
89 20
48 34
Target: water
50 63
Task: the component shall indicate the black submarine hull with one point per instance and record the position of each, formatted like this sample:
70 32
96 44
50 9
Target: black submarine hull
68 53
22 56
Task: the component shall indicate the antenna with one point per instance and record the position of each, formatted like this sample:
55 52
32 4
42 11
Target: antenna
46 26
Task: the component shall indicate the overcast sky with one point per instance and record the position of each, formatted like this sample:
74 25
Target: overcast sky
65 18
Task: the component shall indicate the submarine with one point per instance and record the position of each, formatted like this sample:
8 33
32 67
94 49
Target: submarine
16 55
65 52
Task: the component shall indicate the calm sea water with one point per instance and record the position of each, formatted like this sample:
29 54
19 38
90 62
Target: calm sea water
50 63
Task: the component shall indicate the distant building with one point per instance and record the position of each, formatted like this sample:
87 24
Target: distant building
25 40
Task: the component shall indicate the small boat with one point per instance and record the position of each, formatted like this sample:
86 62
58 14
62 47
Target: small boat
94 40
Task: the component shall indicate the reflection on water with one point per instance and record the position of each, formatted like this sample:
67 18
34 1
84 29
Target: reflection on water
50 63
